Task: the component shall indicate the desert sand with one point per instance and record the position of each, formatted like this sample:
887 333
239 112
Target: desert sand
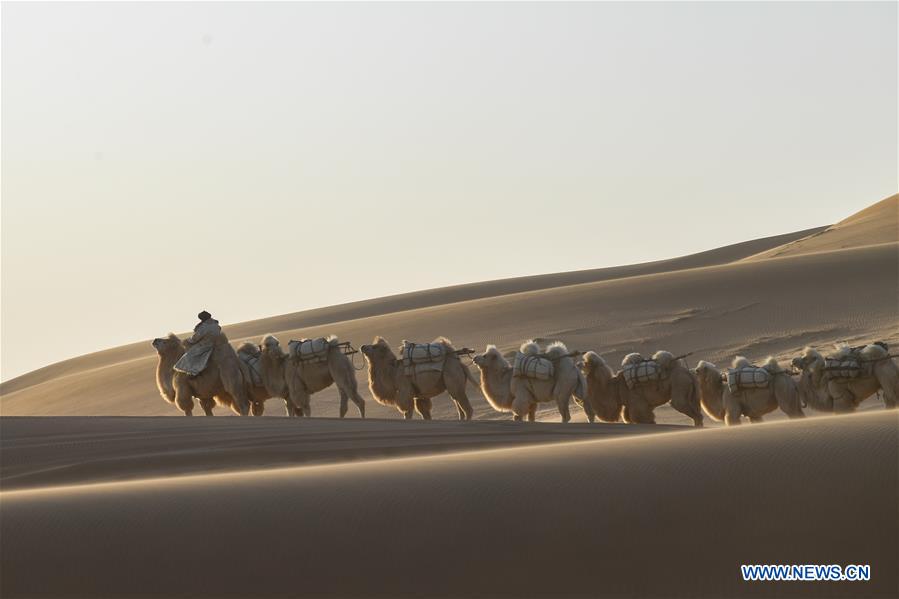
669 514
98 502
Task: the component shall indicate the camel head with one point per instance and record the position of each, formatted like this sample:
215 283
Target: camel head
707 372
168 345
378 352
591 363
270 346
809 360
490 360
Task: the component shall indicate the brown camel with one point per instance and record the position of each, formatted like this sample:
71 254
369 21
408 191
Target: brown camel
603 400
272 362
825 392
260 392
496 382
305 378
224 381
677 385
753 403
390 385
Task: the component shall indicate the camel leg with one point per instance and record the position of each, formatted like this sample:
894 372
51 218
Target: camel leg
235 387
755 419
733 411
184 397
350 392
521 405
456 390
532 412
304 404
563 404
258 408
588 410
889 389
207 405
639 412
843 401
685 406
423 407
344 402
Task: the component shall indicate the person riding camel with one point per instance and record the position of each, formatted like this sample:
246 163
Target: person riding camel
200 345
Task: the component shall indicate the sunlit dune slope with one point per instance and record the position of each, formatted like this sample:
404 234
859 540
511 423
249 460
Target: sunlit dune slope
715 305
411 301
874 225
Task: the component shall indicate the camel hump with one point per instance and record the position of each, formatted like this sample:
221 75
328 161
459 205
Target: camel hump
704 366
771 365
631 358
664 358
741 362
529 347
445 342
556 349
875 351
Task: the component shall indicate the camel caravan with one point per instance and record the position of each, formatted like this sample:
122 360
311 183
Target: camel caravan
207 369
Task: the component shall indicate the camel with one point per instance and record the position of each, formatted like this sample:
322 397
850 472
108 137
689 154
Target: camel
272 361
878 373
496 381
390 386
305 378
524 393
678 385
753 403
223 382
602 400
260 392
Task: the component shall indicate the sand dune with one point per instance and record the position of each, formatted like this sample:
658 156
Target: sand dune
273 507
660 515
755 308
39 452
767 296
410 301
874 225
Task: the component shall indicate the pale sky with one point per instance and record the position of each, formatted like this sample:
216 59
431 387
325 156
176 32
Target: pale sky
259 159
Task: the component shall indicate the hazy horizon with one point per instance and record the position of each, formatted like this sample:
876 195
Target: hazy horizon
261 159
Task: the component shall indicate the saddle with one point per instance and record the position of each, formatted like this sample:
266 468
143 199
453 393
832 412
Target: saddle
747 377
530 366
421 357
310 350
641 373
